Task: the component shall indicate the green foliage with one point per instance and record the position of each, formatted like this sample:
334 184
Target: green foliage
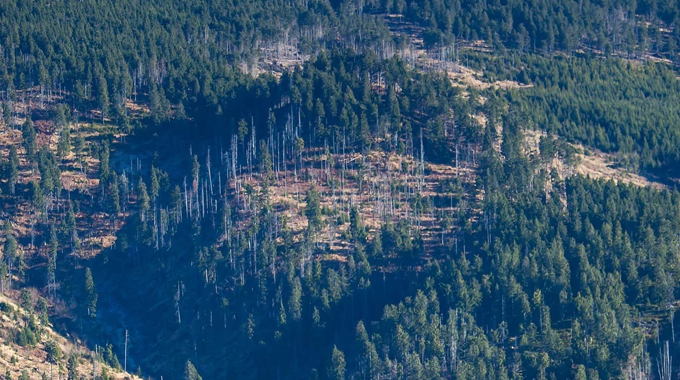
12 169
64 144
54 353
111 359
50 174
313 209
6 308
546 26
24 375
143 200
376 245
103 101
190 372
30 142
6 115
612 105
72 367
29 334
90 293
336 369
114 195
532 274
27 301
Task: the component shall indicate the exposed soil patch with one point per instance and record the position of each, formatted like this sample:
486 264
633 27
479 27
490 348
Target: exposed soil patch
33 360
590 162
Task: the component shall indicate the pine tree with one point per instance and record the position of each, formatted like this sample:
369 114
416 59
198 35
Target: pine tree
52 258
60 116
369 361
242 131
24 375
6 115
143 201
313 209
10 255
176 205
13 170
364 134
356 225
71 228
72 367
90 294
155 185
114 195
104 164
111 358
64 144
53 351
336 370
376 247
295 300
30 141
265 162
281 317
159 105
37 197
195 172
190 372
103 97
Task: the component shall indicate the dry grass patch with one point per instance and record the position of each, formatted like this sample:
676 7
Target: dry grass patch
15 359
589 162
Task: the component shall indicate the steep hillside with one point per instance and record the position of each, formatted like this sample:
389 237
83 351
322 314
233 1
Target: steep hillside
31 349
318 190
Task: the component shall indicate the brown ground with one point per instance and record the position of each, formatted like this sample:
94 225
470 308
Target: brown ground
34 360
593 163
371 192
94 229
74 178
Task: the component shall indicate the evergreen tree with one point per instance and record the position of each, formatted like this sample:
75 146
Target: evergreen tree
143 201
111 359
376 247
37 197
155 185
114 195
13 170
369 361
10 256
72 367
103 96
104 163
313 209
64 144
54 353
90 294
30 140
6 115
52 258
295 300
336 370
190 372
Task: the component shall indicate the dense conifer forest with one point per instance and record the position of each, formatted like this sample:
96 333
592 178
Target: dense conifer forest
315 189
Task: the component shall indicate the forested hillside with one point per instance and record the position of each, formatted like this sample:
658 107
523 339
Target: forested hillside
627 27
339 189
623 107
